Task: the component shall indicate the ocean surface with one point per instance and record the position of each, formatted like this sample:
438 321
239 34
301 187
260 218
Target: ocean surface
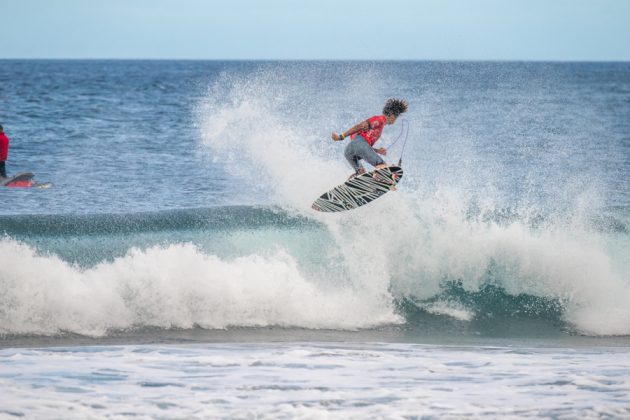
176 270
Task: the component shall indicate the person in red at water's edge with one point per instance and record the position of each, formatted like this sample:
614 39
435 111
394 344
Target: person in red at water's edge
366 133
4 152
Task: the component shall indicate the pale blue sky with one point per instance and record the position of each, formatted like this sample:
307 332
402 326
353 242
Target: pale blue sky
317 29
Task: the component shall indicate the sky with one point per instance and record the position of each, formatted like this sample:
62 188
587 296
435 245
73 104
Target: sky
557 30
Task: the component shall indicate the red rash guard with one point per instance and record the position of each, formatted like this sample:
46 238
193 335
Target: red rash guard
372 134
4 147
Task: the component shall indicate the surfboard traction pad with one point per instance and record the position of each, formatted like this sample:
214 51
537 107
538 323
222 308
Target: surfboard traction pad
359 190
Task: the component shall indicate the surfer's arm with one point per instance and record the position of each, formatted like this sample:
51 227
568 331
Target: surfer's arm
362 126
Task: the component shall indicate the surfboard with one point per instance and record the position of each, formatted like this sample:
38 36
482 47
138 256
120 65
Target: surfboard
24 180
359 190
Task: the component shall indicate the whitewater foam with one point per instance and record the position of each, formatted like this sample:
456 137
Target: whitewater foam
314 380
175 286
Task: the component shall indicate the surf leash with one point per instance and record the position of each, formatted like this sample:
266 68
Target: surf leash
404 129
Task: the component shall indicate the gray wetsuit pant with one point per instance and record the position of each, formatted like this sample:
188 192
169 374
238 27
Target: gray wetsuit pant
358 149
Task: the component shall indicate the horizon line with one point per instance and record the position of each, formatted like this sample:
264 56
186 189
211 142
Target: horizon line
487 60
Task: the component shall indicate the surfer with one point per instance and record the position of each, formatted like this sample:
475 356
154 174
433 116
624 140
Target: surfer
366 133
4 153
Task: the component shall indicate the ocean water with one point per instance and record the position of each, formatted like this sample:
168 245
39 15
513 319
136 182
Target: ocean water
176 270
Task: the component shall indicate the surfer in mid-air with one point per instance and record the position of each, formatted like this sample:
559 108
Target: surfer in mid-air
366 133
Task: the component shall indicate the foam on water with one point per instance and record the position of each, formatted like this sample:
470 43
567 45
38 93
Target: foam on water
363 380
173 286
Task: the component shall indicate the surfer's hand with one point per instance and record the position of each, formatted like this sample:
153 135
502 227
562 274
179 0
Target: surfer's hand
336 137
381 151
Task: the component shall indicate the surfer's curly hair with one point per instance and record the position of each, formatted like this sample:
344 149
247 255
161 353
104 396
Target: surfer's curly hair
395 107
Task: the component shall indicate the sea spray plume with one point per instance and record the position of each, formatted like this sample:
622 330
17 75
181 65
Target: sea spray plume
252 140
273 123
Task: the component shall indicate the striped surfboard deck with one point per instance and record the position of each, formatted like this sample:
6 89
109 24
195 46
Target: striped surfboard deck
359 190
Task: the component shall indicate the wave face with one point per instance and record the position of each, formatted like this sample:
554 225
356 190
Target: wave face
513 214
256 267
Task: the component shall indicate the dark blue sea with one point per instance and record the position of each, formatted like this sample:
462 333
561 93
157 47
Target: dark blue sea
175 269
